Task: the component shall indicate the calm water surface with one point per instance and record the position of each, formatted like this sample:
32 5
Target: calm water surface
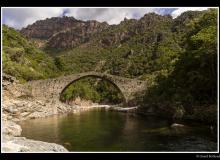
100 130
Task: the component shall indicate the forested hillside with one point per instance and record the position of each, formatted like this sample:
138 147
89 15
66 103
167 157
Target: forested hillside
192 85
24 61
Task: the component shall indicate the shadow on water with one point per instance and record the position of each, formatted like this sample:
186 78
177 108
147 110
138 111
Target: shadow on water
100 130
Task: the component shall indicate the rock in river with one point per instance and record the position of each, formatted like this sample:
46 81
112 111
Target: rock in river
11 128
21 144
175 125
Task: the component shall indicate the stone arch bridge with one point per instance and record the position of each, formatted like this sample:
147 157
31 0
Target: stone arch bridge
52 88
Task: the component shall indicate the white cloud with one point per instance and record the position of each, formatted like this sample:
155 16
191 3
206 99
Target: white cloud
110 15
21 17
179 11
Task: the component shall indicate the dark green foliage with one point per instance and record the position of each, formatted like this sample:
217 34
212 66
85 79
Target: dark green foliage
59 63
96 90
193 81
82 89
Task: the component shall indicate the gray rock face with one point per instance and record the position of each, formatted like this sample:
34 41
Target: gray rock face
21 144
63 32
23 109
74 36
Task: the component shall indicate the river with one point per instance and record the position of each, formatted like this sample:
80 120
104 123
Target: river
102 130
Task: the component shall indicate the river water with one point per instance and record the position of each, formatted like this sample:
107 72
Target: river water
101 130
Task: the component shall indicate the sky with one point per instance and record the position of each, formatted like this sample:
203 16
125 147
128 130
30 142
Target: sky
21 17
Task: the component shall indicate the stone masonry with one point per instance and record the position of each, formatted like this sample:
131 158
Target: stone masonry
52 88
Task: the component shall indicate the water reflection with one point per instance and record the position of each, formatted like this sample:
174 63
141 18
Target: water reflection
100 130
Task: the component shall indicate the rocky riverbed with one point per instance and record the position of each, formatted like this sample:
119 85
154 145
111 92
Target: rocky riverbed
19 105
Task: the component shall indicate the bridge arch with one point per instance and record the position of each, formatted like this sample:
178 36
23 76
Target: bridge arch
103 77
51 89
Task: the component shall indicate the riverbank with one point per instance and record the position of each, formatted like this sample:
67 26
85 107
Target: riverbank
13 113
19 105
15 110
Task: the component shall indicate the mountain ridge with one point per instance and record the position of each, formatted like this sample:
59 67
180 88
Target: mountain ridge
134 48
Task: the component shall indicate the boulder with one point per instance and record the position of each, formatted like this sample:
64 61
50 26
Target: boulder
21 144
11 109
11 128
175 125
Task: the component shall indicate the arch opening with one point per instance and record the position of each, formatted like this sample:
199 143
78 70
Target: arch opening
92 89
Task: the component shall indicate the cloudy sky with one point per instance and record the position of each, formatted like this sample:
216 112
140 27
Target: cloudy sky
21 17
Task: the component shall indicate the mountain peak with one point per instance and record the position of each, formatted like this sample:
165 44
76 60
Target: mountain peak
44 29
